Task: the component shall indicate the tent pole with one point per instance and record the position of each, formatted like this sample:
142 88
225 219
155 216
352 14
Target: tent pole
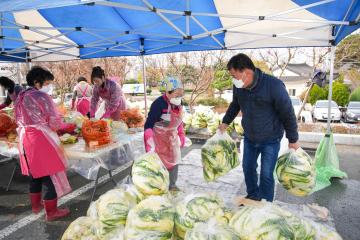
18 73
332 59
144 80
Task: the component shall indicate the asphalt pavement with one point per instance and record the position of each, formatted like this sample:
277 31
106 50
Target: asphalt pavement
17 221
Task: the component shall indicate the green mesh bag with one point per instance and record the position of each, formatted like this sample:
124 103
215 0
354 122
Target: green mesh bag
327 163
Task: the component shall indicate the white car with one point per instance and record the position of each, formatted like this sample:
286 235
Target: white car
228 95
305 116
320 111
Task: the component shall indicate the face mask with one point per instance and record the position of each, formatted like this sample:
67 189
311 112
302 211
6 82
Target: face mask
46 89
176 101
238 83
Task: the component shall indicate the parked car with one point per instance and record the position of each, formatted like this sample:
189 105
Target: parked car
305 116
320 111
352 113
227 95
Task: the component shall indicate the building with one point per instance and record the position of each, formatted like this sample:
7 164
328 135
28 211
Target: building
295 77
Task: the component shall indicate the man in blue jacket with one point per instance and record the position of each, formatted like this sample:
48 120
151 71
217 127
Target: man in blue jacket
266 112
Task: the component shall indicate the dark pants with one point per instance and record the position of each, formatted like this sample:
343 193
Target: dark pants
173 174
36 185
49 188
269 153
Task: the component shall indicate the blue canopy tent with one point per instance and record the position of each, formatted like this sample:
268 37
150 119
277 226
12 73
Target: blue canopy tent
44 30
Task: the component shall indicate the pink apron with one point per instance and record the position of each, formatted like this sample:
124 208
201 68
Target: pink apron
166 139
83 103
44 155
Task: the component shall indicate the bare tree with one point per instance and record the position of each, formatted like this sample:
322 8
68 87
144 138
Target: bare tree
205 77
277 60
354 76
65 73
153 73
318 57
115 67
348 52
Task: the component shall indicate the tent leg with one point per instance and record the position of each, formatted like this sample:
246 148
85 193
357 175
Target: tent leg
144 80
18 73
332 59
304 101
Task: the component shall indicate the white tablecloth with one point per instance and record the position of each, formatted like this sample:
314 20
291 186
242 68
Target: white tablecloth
88 162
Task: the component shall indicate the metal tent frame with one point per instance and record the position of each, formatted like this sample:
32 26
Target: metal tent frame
56 44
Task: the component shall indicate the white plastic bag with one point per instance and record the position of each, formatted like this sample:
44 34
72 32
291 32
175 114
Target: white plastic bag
61 184
295 170
219 155
188 142
211 229
100 111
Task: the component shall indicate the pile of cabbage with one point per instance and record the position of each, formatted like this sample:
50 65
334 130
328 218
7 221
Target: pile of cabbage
296 172
211 229
117 127
149 175
219 155
204 120
196 208
109 213
152 218
81 228
146 210
270 222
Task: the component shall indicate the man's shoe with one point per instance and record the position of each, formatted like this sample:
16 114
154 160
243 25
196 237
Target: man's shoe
253 198
174 189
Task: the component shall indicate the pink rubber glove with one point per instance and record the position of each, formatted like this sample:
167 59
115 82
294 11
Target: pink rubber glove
66 128
182 140
3 106
181 134
148 139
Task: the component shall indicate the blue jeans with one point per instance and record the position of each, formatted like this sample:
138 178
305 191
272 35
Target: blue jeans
269 151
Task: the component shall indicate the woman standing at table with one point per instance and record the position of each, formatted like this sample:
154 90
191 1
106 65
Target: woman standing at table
82 92
110 92
164 131
41 157
12 89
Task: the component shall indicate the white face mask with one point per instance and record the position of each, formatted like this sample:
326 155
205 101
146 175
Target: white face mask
46 89
176 101
238 83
